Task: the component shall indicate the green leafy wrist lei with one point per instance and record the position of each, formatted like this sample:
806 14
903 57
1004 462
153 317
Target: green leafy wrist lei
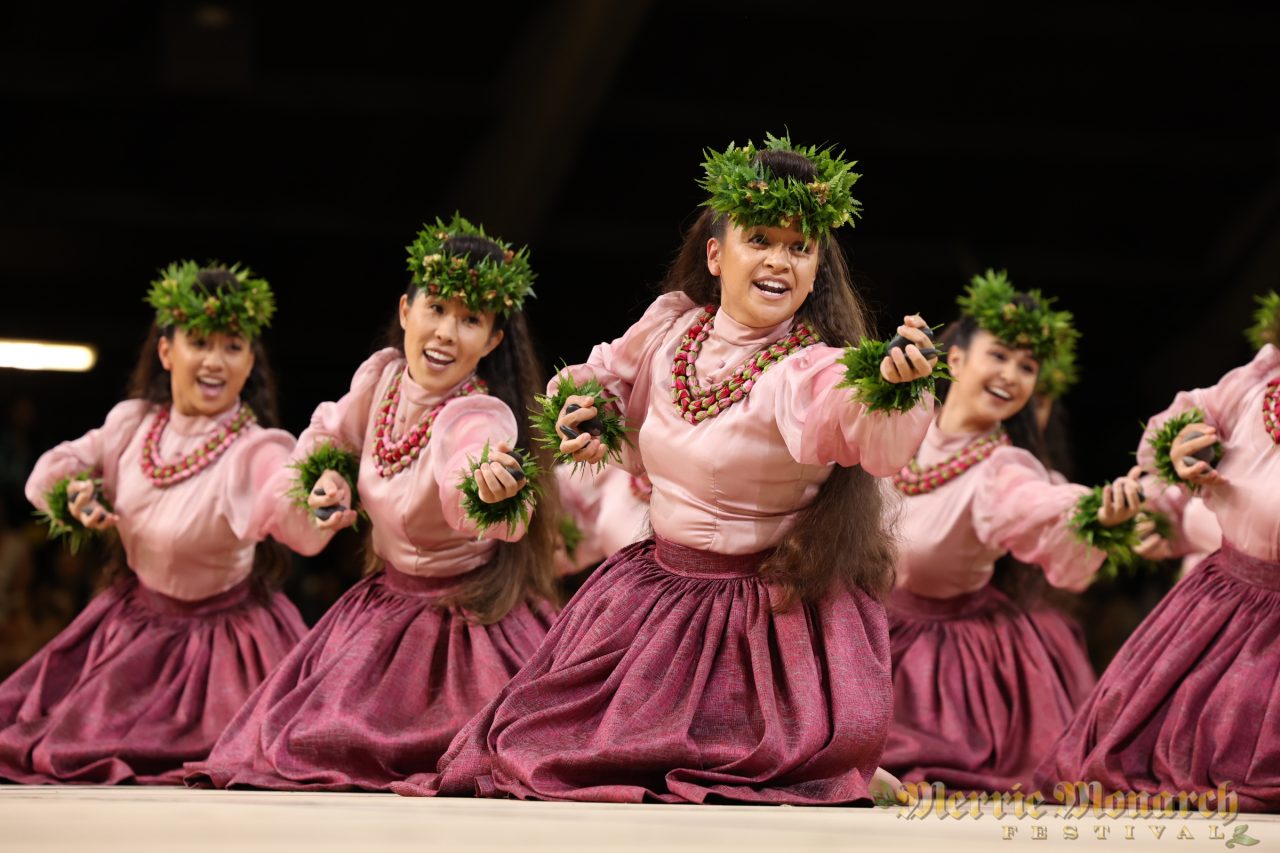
862 374
1118 542
511 511
547 408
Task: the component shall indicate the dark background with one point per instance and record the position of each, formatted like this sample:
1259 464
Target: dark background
1121 157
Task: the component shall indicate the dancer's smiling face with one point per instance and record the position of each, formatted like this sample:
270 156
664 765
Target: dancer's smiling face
444 340
766 272
992 381
206 372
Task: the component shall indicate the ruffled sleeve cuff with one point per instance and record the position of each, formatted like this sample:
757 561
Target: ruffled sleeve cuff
342 423
611 375
97 451
463 434
257 502
822 424
1018 509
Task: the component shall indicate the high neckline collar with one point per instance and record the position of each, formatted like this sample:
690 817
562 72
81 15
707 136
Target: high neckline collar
420 397
951 441
734 333
199 424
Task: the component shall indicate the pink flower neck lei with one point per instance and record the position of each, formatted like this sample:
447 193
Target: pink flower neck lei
696 404
164 474
914 480
1271 410
392 457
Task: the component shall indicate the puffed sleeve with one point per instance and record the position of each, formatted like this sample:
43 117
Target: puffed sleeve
616 365
1219 404
343 423
461 431
96 451
1189 525
255 502
580 496
822 423
1017 508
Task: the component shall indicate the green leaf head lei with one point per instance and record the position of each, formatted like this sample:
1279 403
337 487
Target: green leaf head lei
213 298
741 185
1266 321
445 264
1057 376
1025 321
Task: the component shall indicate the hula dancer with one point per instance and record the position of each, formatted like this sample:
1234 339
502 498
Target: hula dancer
189 476
1188 702
459 596
741 655
983 683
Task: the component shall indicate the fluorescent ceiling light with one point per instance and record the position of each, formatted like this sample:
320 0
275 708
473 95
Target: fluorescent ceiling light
46 355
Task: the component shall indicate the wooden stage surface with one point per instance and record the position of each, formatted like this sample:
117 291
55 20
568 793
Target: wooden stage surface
170 819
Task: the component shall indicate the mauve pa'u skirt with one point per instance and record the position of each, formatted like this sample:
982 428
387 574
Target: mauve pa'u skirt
376 691
670 677
1192 699
982 688
138 684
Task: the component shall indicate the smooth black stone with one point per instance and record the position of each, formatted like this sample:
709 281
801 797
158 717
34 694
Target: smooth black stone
1205 453
901 343
516 470
324 513
594 425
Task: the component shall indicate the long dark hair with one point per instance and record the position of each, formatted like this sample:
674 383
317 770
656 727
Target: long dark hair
1057 438
1023 583
151 382
842 535
524 570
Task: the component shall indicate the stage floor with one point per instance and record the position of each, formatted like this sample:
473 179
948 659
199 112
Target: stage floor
170 819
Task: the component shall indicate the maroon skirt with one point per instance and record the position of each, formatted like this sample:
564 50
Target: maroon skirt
981 687
1192 699
376 691
139 684
670 678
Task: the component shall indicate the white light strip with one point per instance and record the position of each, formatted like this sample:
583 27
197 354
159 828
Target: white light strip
44 355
